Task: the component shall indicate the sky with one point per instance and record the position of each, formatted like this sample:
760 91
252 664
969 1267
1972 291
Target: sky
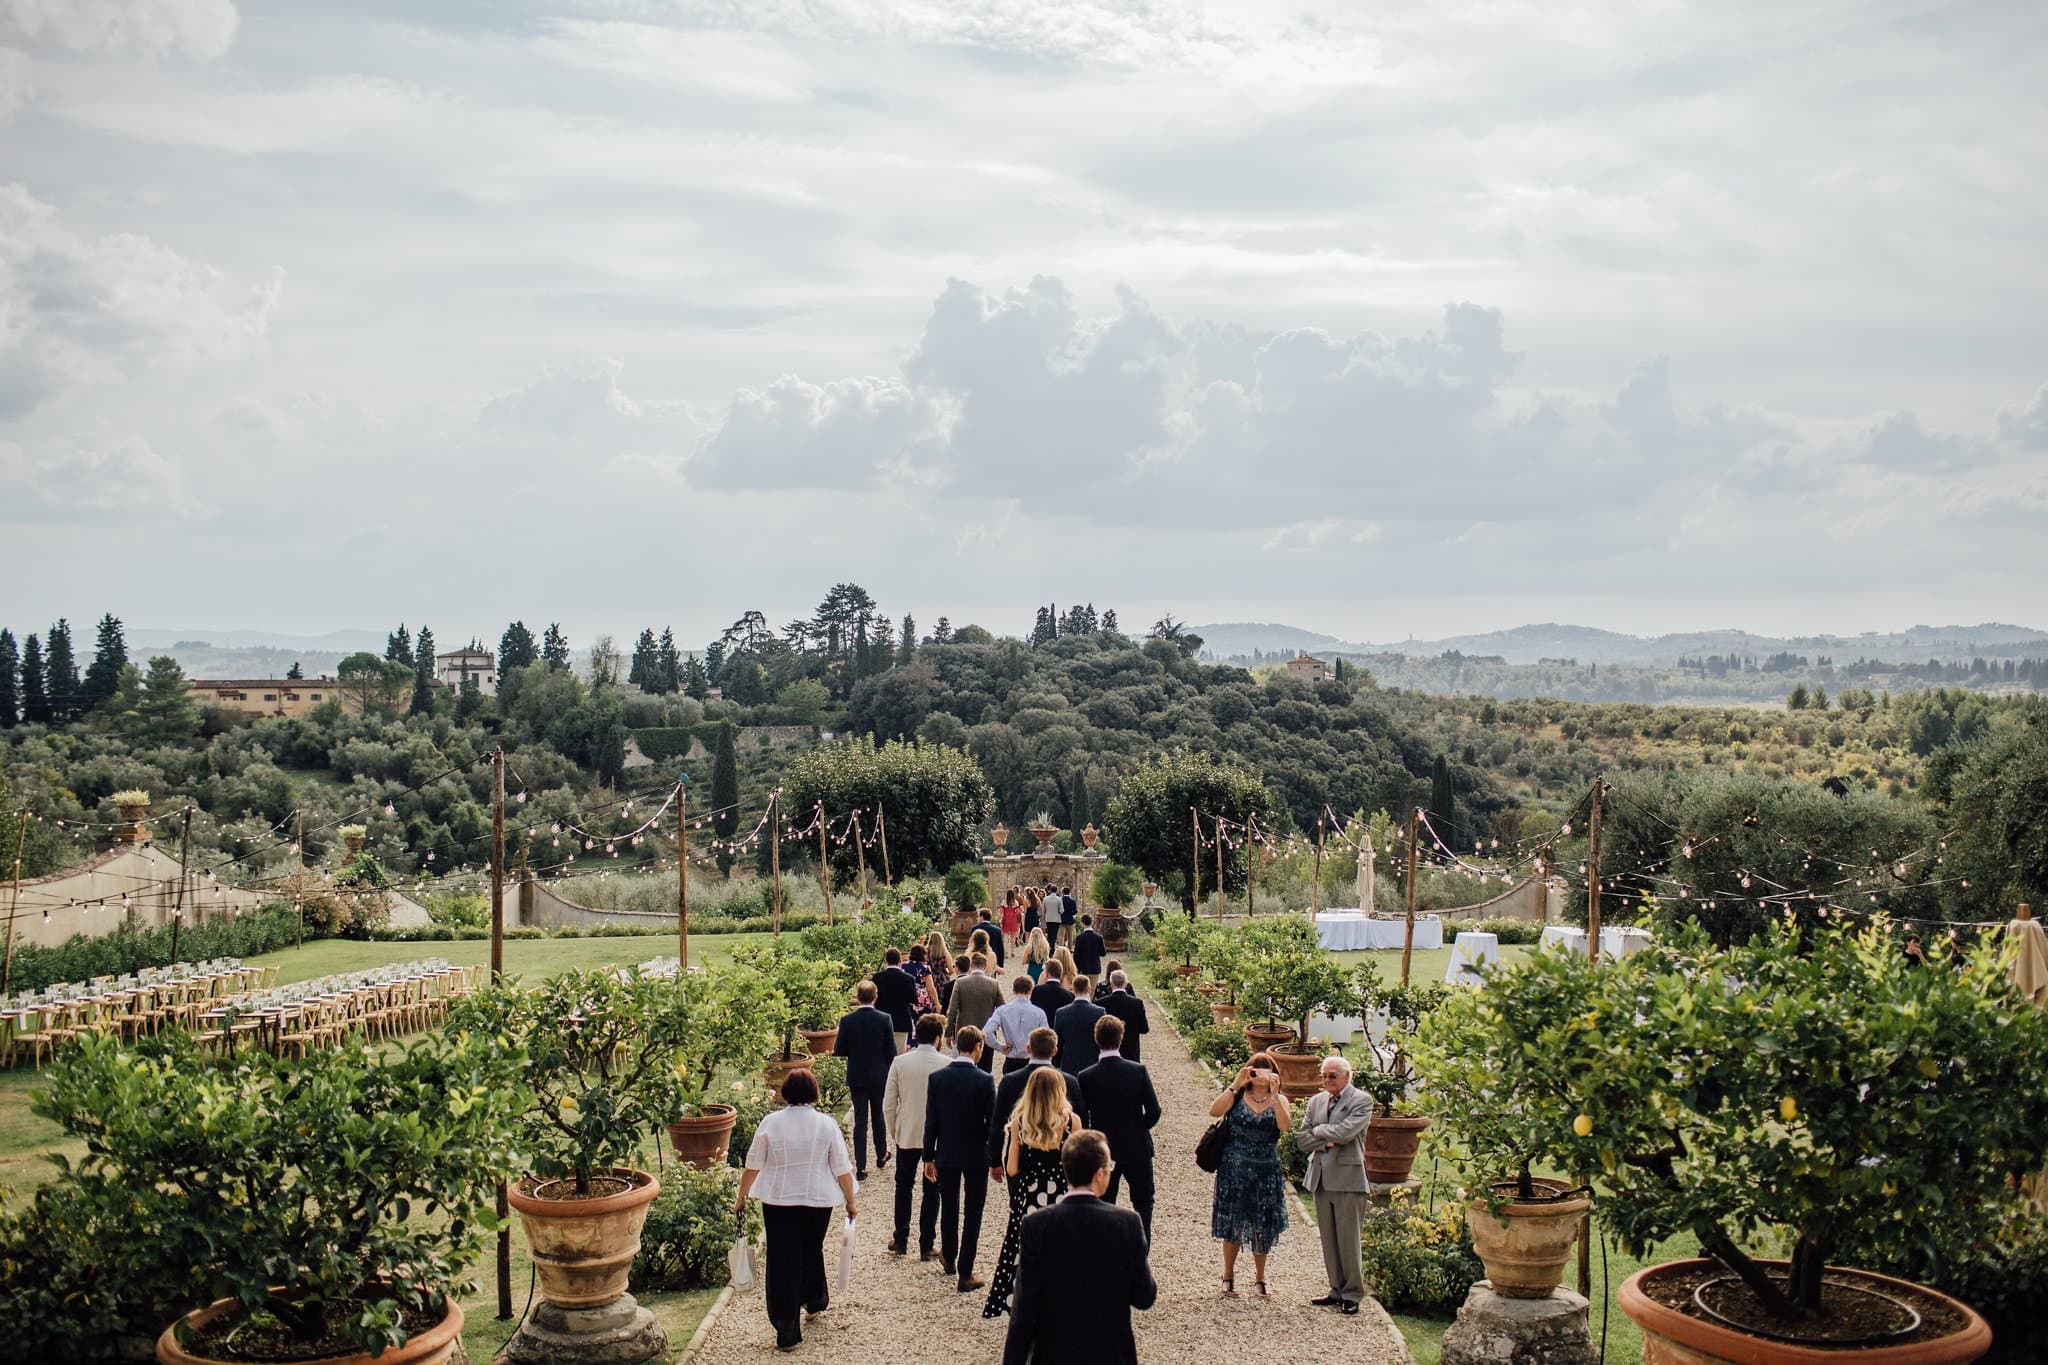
1379 320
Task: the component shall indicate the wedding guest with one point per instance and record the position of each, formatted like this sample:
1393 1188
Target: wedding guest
1009 1028
1052 994
1037 952
958 1098
867 1043
1128 1008
1089 948
1052 913
903 1100
1332 1133
896 995
1075 1024
1250 1207
1124 1108
994 933
1102 986
1013 916
797 1166
1081 1269
1065 957
1031 920
1044 1045
1037 1128
919 969
976 997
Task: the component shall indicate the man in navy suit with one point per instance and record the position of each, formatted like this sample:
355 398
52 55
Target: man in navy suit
1124 1108
1081 1268
867 1040
1043 1043
1075 1024
995 937
958 1099
1129 1008
1052 996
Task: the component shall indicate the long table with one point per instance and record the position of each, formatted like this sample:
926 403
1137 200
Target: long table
1350 930
1615 941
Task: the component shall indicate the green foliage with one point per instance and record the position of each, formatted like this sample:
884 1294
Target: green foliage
690 1228
1284 974
1416 1263
1388 1077
1179 937
1810 1080
1117 885
599 1044
1993 792
459 909
934 798
804 990
967 885
305 1173
1511 931
1148 824
126 950
725 794
717 1023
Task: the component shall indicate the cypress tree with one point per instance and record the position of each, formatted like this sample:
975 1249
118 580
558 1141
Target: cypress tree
669 664
515 648
554 648
110 655
10 681
35 697
61 683
398 646
694 680
1440 787
725 796
423 674
640 672
907 650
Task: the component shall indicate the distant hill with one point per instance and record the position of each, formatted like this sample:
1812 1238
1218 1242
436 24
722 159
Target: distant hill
1589 645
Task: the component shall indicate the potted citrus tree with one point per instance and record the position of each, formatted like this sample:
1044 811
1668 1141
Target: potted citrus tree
717 1018
1392 1135
320 1208
1285 975
804 997
1180 936
598 1043
1116 885
1220 955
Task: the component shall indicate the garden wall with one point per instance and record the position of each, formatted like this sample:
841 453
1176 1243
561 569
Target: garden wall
49 911
1535 900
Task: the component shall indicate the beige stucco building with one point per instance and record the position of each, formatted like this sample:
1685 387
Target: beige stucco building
1308 668
269 696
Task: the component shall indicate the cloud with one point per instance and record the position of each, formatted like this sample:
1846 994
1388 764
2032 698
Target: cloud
850 433
78 310
1902 442
151 30
17 83
2028 428
117 476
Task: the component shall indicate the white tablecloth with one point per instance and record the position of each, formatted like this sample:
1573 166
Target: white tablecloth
1615 942
1349 930
1471 954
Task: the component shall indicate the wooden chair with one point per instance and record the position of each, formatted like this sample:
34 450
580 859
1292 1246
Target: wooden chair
34 1033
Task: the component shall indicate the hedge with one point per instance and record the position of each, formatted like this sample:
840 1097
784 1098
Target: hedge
126 950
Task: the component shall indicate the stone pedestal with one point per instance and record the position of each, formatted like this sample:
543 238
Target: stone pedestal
1493 1329
618 1333
1392 1191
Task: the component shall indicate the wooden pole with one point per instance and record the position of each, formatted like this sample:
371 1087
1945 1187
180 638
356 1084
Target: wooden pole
1593 955
882 833
497 975
1315 882
1408 930
824 865
1250 854
14 900
775 853
1196 885
682 876
184 862
1219 870
860 851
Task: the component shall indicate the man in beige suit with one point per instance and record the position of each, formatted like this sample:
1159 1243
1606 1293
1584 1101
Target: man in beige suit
903 1111
976 996
1332 1132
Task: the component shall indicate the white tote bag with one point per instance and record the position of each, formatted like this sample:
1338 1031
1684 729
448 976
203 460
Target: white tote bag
740 1260
845 1256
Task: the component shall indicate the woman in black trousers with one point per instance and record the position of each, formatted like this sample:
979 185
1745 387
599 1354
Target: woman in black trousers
798 1167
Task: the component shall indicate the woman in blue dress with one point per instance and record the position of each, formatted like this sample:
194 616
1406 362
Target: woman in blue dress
1251 1194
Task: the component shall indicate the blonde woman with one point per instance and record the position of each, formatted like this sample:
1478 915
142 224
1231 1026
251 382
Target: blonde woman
1063 955
1040 1123
1037 952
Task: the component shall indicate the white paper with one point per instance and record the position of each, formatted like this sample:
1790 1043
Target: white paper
740 1261
845 1256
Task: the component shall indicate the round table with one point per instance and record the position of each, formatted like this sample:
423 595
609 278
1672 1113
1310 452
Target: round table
1472 953
1350 930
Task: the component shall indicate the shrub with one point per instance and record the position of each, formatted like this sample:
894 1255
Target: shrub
1117 885
1509 930
690 1228
459 910
967 885
1415 1263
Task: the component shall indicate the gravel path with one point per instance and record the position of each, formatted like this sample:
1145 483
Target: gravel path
903 1312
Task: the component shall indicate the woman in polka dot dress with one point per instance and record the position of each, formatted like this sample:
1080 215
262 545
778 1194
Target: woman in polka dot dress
1042 1121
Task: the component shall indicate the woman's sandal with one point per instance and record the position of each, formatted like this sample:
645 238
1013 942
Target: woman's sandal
1262 1289
1229 1287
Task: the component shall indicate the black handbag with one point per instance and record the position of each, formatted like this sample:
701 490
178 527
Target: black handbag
1209 1151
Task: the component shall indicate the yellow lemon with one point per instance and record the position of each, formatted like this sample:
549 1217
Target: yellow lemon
1929 1068
1583 1125
568 1104
1788 1109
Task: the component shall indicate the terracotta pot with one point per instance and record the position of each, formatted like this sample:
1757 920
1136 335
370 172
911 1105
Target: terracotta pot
820 1040
1187 969
430 1347
1000 836
1301 1073
1045 834
583 1249
1209 987
1115 930
1222 1013
1265 1039
702 1140
1089 836
1674 1338
776 1070
1391 1141
1525 1248
960 924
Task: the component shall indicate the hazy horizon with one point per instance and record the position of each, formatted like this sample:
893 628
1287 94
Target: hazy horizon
1386 325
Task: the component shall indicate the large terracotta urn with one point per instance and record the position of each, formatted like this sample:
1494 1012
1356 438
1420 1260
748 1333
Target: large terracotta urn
583 1249
431 1347
1391 1142
1090 836
1000 836
1300 1072
1045 834
1525 1246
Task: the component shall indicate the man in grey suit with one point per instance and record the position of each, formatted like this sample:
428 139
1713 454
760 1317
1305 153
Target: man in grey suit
1332 1132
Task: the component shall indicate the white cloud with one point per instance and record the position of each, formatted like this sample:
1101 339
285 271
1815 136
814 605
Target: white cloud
105 476
17 83
148 29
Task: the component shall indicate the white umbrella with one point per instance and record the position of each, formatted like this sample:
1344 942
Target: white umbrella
1365 872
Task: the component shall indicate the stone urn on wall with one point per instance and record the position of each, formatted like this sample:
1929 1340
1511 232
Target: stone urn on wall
1090 836
1000 836
134 806
1045 831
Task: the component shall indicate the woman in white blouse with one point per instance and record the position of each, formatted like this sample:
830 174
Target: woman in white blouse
797 1165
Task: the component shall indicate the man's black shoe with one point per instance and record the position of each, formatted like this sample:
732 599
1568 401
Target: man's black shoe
1326 1301
945 1266
899 1247
1350 1309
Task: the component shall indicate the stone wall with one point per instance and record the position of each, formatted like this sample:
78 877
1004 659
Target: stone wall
1038 869
1538 901
51 908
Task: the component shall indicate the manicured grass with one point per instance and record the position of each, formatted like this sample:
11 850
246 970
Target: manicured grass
26 1139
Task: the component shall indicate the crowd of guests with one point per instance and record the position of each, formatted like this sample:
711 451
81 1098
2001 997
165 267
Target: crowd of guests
1064 1131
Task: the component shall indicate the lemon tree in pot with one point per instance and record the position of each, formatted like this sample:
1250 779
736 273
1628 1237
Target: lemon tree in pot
598 1045
1180 936
1220 957
1817 1087
716 1018
328 1208
1285 975
1394 1133
803 995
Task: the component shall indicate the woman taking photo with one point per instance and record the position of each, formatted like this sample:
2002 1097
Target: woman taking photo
1040 1123
1251 1198
798 1167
